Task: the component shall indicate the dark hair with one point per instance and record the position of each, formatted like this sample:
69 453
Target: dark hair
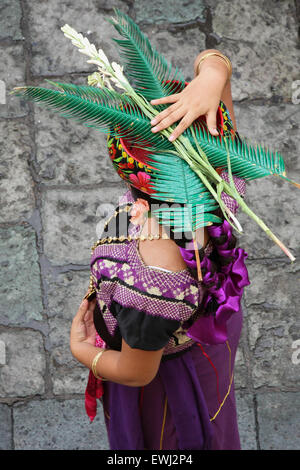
215 257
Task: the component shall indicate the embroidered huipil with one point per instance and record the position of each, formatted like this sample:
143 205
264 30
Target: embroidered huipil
152 309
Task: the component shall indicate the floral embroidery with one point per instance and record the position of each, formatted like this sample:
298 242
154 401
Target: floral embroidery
137 173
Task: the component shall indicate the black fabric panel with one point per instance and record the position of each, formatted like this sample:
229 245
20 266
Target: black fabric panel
113 342
141 330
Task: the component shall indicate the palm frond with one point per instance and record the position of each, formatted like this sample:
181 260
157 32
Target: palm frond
103 109
146 69
246 160
173 180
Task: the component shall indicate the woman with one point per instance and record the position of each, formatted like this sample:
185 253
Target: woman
163 388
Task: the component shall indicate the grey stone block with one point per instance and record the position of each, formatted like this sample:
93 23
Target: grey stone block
58 425
261 42
12 74
5 427
179 48
246 421
68 152
170 11
240 369
20 292
271 336
278 420
67 374
17 197
52 52
277 128
274 284
10 19
23 374
70 221
272 199
65 292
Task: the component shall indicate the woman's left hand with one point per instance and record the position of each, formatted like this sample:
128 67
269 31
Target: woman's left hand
83 328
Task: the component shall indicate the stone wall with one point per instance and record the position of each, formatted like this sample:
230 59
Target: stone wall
55 174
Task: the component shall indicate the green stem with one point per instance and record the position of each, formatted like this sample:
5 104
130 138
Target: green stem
186 150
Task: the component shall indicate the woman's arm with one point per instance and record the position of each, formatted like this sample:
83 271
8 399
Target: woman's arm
130 366
218 66
200 97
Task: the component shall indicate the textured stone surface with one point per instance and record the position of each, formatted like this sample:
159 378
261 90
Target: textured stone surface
272 199
12 74
241 370
5 427
278 420
246 421
280 278
10 19
64 293
178 47
252 35
70 220
171 11
54 53
16 185
23 374
69 152
273 323
58 425
20 291
272 333
45 266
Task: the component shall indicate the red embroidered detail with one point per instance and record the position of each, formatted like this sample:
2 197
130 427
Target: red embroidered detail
213 366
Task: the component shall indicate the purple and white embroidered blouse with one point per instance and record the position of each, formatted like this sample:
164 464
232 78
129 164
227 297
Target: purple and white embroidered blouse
153 308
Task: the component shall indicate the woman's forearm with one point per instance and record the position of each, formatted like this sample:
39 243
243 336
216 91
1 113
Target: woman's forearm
214 63
215 69
108 365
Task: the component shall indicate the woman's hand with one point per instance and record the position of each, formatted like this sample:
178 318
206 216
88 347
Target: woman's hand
200 97
83 329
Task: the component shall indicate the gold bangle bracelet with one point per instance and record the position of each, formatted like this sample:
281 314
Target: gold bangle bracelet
218 54
94 364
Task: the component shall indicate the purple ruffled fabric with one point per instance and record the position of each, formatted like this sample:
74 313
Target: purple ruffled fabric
231 279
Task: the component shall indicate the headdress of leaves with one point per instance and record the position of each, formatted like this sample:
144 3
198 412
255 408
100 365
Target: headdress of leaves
192 157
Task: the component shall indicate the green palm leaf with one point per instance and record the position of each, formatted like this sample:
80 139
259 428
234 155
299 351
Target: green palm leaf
103 109
173 180
146 69
246 161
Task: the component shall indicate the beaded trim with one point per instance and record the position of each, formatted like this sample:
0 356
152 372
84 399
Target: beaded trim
91 290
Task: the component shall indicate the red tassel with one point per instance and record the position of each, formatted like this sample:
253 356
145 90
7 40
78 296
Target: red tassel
93 391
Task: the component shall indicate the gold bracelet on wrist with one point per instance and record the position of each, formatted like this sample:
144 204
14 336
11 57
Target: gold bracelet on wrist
218 54
94 364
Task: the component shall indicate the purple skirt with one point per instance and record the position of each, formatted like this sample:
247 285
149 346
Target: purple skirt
189 405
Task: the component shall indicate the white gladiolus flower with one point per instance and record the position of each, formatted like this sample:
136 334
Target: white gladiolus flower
103 57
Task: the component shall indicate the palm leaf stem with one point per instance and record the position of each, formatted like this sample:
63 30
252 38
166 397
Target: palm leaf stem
233 193
183 146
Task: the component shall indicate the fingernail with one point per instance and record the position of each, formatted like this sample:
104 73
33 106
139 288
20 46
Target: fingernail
153 121
154 129
172 137
215 130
